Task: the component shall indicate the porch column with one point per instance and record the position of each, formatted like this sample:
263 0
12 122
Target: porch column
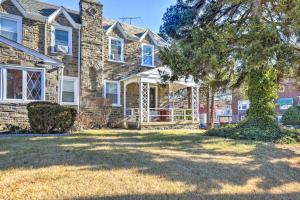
195 103
124 99
144 101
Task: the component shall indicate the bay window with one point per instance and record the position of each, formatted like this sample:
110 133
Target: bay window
11 27
148 55
116 49
22 84
112 92
69 91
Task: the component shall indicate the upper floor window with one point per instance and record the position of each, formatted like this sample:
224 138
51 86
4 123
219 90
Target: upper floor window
22 84
116 49
148 55
70 91
61 39
11 27
112 92
244 105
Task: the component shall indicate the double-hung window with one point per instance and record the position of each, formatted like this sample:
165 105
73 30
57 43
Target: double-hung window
244 105
11 27
148 55
116 49
61 39
22 84
69 91
112 92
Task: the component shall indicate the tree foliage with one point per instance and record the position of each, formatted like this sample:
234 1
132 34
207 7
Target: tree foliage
258 44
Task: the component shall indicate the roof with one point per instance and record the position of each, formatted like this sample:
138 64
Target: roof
45 9
46 59
41 10
155 76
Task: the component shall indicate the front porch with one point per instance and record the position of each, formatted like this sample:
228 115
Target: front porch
150 104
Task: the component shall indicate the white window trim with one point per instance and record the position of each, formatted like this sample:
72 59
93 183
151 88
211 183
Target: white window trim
119 91
62 28
18 19
240 105
153 54
24 70
122 50
76 92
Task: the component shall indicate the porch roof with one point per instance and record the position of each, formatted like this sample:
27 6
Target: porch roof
154 76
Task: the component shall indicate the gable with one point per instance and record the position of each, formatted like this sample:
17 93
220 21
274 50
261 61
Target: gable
8 7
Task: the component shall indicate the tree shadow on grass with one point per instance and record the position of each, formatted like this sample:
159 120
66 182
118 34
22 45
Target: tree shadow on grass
184 158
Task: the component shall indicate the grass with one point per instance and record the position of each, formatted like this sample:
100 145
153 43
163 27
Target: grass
121 164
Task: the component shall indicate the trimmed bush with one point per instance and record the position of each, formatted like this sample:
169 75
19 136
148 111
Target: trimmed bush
47 117
292 116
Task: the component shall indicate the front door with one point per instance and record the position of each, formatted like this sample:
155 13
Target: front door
153 97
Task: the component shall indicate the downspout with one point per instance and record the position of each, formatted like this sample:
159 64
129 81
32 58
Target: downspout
79 68
60 83
45 38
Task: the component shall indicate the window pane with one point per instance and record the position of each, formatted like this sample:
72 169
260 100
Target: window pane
34 85
8 28
14 84
112 92
147 55
116 50
61 38
68 94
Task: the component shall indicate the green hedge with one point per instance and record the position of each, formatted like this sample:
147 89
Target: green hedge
46 117
292 116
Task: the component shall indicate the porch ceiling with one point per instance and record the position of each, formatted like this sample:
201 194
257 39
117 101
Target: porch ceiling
154 76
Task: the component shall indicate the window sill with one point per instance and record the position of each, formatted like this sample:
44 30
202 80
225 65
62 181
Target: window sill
150 66
116 105
68 104
63 54
115 61
7 101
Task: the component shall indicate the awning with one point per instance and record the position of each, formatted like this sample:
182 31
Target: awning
285 101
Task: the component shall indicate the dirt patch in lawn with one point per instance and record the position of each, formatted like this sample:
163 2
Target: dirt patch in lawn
122 164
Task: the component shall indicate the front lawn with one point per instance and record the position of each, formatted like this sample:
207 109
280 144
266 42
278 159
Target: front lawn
121 164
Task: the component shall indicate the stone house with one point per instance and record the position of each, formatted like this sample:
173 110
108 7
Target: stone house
75 58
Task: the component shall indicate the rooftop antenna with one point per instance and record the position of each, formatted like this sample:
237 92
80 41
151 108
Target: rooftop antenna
124 19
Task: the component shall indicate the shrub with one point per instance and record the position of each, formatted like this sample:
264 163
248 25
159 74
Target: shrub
250 129
83 122
257 129
292 116
46 117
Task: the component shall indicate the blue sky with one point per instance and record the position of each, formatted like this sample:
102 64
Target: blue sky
150 11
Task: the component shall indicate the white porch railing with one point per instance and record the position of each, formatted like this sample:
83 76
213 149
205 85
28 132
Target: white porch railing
160 115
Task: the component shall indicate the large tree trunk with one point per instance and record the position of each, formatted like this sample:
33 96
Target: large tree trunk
212 110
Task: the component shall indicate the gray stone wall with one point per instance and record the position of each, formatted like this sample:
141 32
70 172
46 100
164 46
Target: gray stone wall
91 54
16 113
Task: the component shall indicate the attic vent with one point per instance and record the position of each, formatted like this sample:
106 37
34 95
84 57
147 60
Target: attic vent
92 11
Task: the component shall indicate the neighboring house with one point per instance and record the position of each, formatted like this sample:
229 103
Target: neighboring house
222 106
288 95
50 53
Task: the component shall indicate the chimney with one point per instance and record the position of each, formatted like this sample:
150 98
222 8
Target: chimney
91 58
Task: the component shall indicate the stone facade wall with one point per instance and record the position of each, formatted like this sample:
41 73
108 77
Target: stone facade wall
33 37
16 113
91 54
